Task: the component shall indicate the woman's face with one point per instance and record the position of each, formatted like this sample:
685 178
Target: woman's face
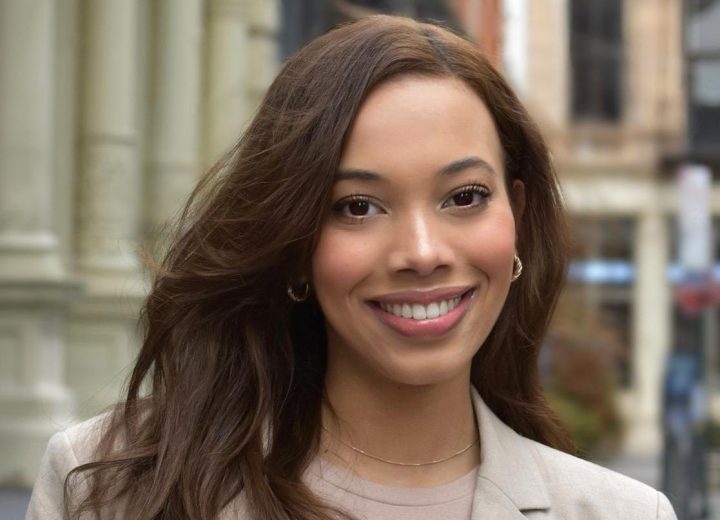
413 264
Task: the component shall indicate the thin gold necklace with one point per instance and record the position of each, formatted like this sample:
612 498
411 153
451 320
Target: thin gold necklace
370 455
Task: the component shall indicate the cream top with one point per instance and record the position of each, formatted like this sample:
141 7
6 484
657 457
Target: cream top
367 500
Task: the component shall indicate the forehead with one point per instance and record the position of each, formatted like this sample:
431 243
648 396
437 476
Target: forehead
421 122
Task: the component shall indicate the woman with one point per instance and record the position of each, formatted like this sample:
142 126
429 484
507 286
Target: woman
349 319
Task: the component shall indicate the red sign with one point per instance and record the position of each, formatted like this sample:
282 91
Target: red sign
694 298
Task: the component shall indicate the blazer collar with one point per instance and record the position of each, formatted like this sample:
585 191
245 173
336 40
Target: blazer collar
509 478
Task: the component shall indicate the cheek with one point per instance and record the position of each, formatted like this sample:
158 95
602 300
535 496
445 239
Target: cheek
491 245
340 261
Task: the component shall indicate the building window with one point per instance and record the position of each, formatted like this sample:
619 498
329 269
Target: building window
596 57
703 61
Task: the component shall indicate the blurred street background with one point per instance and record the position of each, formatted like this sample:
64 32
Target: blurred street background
110 110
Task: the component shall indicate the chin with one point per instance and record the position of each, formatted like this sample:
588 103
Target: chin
427 372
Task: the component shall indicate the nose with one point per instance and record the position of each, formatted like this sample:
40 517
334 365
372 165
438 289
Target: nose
420 245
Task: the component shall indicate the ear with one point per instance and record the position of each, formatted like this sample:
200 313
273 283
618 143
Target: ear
517 201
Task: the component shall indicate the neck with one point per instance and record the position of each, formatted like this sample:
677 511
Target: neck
402 423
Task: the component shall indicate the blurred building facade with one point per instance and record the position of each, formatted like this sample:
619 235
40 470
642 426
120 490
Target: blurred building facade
110 109
604 80
608 83
109 112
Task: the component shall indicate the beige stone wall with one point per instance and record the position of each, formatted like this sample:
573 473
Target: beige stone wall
109 112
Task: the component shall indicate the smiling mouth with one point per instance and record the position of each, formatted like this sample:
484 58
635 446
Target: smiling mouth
418 311
431 319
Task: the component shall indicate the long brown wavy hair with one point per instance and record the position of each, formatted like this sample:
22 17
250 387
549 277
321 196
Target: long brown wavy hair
226 393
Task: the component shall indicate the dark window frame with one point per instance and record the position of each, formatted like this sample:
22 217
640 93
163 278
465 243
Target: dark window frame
703 120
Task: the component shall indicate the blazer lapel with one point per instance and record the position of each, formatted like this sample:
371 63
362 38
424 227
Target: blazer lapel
509 479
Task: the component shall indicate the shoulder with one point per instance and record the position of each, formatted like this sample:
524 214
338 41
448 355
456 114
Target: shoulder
65 451
82 438
582 489
76 444
547 483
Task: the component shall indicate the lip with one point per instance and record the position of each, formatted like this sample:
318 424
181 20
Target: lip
429 328
423 297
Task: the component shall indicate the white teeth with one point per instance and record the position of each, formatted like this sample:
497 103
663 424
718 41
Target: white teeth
418 311
406 311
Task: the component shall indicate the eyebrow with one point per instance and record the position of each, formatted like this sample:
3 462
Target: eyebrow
466 163
453 167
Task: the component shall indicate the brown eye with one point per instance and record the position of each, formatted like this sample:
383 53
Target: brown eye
358 208
469 197
464 198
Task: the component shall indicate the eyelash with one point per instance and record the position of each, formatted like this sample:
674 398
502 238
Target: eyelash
340 206
478 189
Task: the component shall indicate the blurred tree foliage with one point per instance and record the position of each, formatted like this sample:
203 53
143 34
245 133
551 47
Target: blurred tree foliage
578 368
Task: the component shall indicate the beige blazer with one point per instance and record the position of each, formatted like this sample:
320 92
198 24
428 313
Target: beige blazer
518 479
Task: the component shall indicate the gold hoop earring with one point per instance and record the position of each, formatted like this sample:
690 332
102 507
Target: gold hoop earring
517 268
298 298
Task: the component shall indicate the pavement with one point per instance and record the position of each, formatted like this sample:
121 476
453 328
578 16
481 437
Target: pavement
647 469
13 501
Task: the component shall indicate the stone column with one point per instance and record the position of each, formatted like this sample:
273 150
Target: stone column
226 75
262 51
102 330
109 189
34 286
547 67
652 325
27 239
515 50
173 151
